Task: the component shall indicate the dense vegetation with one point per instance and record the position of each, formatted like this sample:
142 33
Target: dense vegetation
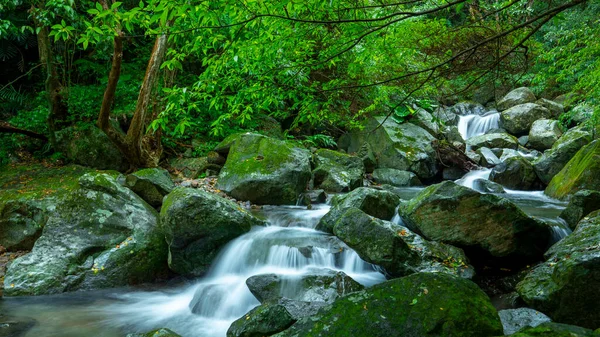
167 76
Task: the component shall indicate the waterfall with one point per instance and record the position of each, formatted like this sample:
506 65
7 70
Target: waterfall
475 125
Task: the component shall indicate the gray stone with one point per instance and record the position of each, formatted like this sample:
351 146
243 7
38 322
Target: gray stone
514 320
581 113
151 184
581 204
488 158
425 120
555 108
446 116
396 177
486 186
543 134
452 173
467 108
337 172
523 140
551 329
495 140
90 147
155 333
518 119
515 97
264 320
515 173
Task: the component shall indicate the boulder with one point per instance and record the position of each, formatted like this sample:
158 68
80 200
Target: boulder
565 287
192 168
486 186
514 320
300 309
555 108
100 235
453 173
155 333
368 157
517 96
446 116
264 320
515 173
90 147
488 158
314 197
22 221
551 329
405 147
423 304
323 286
581 204
467 108
263 170
452 134
483 224
197 224
518 119
424 119
543 134
523 140
395 248
509 153
494 140
582 172
396 177
554 159
377 203
580 113
337 172
151 184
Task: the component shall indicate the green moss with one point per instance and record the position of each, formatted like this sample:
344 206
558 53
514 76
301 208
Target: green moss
581 172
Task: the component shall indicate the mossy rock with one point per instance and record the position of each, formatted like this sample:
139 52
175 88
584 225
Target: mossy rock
514 320
90 147
423 304
493 140
581 204
197 224
192 167
155 333
337 172
150 184
555 159
543 134
566 286
518 119
552 329
99 235
516 173
515 97
377 203
397 249
485 225
263 170
396 178
582 172
264 320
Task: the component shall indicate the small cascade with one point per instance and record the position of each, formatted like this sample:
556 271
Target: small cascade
475 125
559 229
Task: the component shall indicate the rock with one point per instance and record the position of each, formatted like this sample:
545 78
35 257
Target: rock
90 147
514 320
488 158
452 173
452 134
197 224
523 140
565 287
377 203
368 157
395 248
264 320
467 108
263 170
21 222
555 108
151 184
551 329
483 224
518 96
543 134
446 116
581 113
405 147
423 304
475 157
581 204
515 173
554 159
494 140
216 158
324 286
396 177
100 235
486 186
518 119
314 197
192 168
425 120
582 172
155 333
509 153
299 309
337 172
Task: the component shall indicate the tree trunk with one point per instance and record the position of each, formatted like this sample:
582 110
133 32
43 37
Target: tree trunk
5 127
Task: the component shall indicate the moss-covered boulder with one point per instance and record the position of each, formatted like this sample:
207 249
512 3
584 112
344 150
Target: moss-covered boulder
377 203
514 320
486 186
423 304
485 225
424 119
555 108
543 134
197 224
518 119
582 172
151 184
326 286
387 176
493 140
516 173
581 204
554 159
264 320
337 172
90 147
263 170
100 235
551 329
397 249
566 286
467 108
155 333
405 147
515 97
488 158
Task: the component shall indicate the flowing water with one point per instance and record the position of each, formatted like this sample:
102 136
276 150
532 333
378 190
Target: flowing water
289 246
475 125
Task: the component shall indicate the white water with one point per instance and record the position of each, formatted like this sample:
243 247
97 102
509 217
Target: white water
475 125
290 246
